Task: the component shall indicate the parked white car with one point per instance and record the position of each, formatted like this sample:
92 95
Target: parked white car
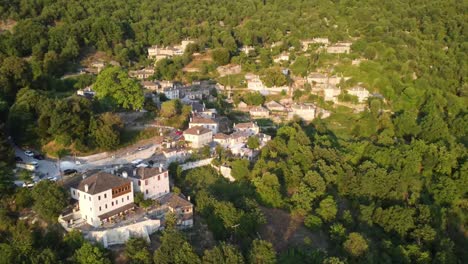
142 165
137 161
29 153
29 185
51 178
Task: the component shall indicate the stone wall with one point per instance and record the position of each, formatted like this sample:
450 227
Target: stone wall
196 164
120 235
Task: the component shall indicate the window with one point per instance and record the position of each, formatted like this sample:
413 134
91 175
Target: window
99 197
105 195
106 206
146 191
146 182
139 183
122 200
90 198
159 177
116 202
128 197
99 208
73 192
112 203
90 209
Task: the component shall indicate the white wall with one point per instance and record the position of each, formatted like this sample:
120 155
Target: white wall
92 206
199 141
155 186
212 127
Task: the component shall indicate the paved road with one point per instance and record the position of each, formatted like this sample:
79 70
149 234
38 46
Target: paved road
46 167
50 167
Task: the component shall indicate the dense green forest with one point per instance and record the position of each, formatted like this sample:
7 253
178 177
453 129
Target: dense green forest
388 185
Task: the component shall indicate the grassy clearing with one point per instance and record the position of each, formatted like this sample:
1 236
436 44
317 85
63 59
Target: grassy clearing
130 137
341 122
235 80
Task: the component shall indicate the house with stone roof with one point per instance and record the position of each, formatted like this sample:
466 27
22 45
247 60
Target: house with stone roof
317 78
198 136
304 111
259 112
152 182
181 206
142 74
204 122
340 47
275 106
359 91
331 93
251 127
102 196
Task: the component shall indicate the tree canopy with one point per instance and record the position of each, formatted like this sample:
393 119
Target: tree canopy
115 84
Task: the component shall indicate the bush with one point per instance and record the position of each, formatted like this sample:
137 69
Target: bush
23 198
313 222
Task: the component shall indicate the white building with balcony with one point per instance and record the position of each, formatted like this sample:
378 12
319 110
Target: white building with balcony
102 196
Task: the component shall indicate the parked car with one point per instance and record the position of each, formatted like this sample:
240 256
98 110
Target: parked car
18 159
34 163
69 171
39 156
142 165
29 153
52 178
29 185
143 148
137 161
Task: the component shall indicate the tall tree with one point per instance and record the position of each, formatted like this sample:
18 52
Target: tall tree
262 252
49 200
223 253
89 254
175 249
114 83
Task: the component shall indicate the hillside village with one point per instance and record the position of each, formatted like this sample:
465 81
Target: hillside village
243 132
106 207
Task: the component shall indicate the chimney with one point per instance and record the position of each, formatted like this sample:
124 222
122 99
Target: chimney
86 188
134 172
188 198
160 169
125 174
